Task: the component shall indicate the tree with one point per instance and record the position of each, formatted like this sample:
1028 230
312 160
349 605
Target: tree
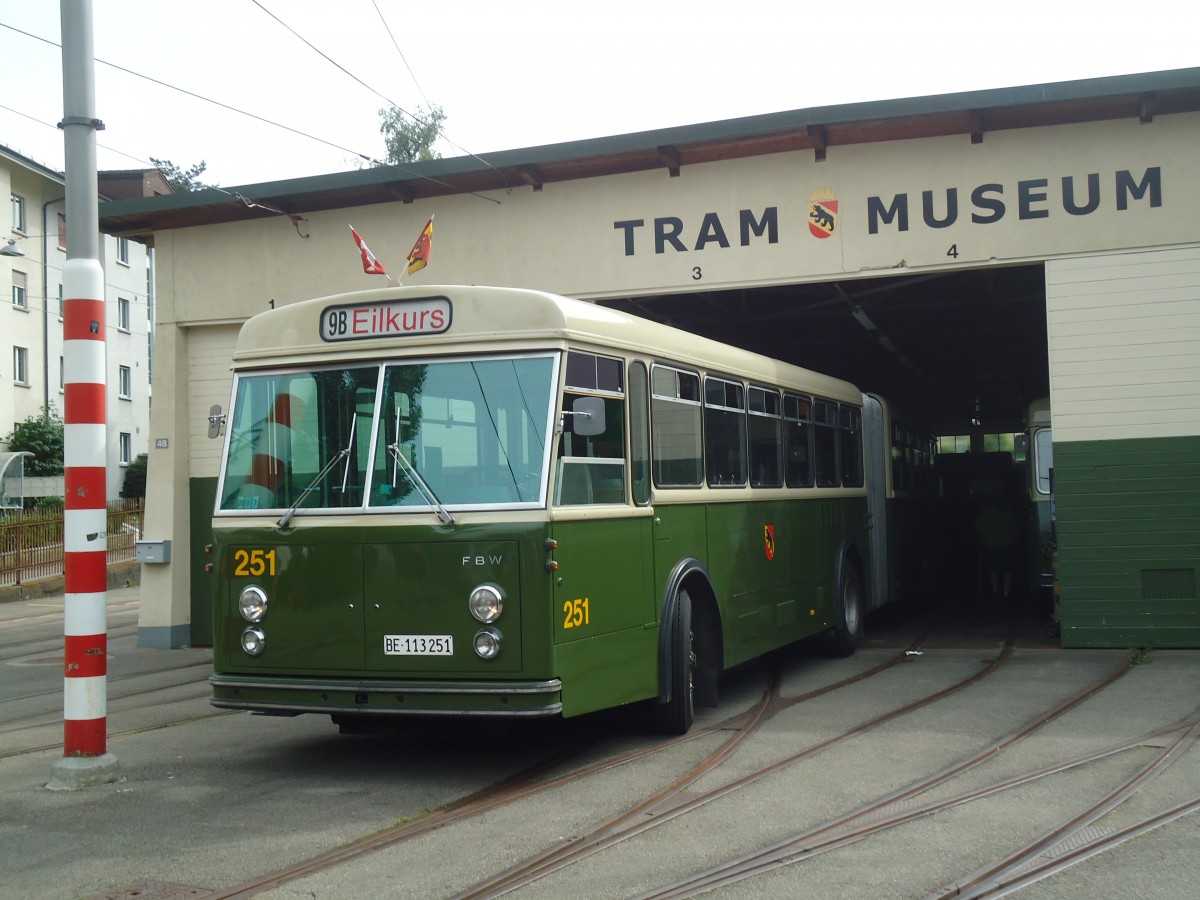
135 478
181 179
408 137
43 437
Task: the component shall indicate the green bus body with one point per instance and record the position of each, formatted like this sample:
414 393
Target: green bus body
367 570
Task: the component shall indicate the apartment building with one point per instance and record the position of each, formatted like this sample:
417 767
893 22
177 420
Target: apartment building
33 251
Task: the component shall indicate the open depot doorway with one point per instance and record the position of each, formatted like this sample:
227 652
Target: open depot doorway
962 354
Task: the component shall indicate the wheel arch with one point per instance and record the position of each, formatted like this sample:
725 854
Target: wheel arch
849 554
708 640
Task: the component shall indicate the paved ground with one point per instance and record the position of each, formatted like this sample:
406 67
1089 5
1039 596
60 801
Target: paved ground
210 799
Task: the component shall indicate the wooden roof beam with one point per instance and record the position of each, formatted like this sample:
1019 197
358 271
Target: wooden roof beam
532 176
820 141
1146 109
975 120
670 158
399 192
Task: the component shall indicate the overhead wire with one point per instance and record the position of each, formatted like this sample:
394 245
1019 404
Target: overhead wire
266 121
377 93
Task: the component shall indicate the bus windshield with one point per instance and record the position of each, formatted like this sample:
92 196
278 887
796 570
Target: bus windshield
474 432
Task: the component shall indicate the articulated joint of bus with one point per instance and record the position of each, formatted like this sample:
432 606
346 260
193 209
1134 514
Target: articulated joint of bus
340 697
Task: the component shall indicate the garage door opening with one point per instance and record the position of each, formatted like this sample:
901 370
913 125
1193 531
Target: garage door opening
961 358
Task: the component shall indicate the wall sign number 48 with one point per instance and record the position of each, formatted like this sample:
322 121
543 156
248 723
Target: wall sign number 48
575 612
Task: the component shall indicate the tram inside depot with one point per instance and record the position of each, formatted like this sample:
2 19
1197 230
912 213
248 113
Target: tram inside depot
961 360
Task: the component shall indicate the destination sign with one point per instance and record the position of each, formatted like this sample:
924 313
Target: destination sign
395 318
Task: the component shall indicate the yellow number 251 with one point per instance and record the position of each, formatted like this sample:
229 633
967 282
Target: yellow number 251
576 612
254 563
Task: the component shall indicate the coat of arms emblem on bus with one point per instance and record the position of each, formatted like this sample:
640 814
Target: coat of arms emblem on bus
822 213
769 541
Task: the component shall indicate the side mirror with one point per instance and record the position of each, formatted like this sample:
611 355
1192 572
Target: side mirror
589 416
216 421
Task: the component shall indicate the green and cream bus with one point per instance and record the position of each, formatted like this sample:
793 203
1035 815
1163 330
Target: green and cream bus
499 502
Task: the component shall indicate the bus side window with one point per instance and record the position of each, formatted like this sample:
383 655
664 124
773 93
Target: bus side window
675 427
724 431
765 438
852 447
797 413
582 481
825 442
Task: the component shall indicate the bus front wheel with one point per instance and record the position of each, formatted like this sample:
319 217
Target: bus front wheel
676 715
848 628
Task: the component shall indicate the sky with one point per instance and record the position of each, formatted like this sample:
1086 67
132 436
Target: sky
529 73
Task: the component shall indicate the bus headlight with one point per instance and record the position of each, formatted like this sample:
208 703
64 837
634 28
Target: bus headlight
486 603
254 641
487 643
252 604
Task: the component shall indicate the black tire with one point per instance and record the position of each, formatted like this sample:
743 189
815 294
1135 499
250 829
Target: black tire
677 714
850 608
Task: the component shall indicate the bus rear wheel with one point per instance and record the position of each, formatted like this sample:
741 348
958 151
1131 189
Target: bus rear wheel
848 628
677 714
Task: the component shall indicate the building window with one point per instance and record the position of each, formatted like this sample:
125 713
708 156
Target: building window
20 365
123 313
123 250
60 306
126 448
62 232
20 295
18 213
62 374
125 382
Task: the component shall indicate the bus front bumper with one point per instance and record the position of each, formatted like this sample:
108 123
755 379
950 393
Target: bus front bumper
281 695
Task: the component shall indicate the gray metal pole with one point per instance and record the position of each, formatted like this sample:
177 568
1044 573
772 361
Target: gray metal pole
79 127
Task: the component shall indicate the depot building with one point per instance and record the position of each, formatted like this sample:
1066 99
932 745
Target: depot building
965 255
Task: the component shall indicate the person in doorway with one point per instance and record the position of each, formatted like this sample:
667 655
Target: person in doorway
996 533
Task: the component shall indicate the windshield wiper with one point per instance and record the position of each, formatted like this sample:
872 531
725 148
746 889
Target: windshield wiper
427 493
291 510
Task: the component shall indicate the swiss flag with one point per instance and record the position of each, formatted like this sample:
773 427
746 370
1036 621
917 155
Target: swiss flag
371 265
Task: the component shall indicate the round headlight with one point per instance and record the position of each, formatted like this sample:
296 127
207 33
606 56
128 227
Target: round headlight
253 603
254 641
486 603
487 643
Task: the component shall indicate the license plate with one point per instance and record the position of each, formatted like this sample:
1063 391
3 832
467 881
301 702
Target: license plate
418 645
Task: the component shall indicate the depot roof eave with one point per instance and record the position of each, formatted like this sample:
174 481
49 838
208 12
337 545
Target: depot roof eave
1141 96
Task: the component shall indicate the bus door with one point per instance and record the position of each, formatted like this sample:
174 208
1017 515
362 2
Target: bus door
603 595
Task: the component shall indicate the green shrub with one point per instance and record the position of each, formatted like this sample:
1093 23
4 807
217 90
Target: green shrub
43 437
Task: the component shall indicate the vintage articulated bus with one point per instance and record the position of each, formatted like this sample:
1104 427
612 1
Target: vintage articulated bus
499 502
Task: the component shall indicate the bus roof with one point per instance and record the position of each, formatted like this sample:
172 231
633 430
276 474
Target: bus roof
477 319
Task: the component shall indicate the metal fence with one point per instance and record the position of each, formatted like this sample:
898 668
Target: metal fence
31 541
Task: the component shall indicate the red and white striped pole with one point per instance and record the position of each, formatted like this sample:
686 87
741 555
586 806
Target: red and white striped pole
85 541
85 760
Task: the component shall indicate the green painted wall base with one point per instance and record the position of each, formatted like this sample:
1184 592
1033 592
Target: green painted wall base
1128 529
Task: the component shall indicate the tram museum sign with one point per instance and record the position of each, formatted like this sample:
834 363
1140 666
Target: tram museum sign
984 204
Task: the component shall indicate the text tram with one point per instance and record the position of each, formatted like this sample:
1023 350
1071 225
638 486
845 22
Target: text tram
497 502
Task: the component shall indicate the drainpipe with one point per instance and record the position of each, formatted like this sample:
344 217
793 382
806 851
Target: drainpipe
46 302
